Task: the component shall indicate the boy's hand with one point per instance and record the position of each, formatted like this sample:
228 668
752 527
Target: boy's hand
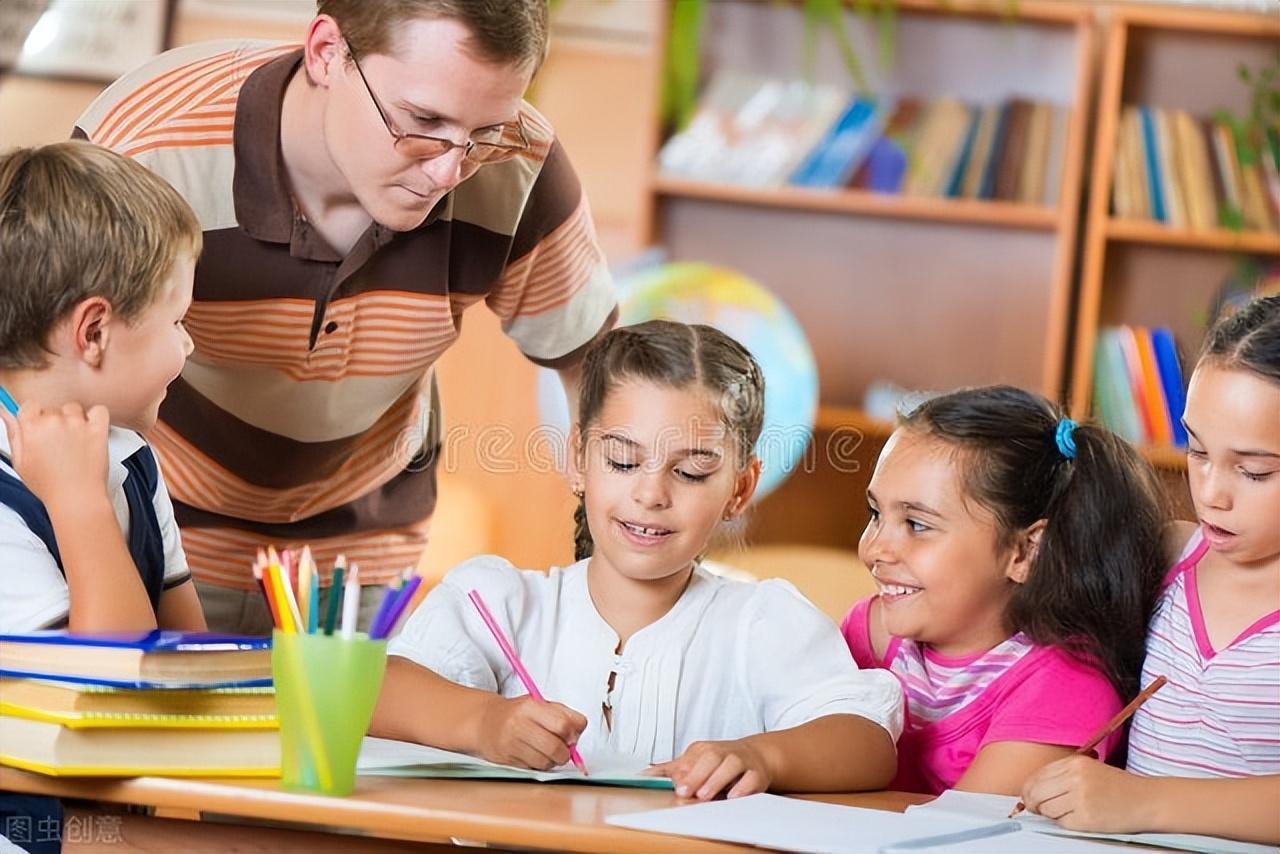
707 767
522 731
60 454
1082 793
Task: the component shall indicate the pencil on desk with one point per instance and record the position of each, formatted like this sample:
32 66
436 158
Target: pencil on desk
518 666
1110 726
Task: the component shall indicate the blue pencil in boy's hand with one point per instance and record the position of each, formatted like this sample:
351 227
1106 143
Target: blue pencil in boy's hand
8 401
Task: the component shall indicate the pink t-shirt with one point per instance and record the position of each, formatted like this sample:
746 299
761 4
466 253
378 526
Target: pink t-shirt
1018 691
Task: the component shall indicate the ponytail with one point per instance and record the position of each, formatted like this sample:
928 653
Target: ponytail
583 545
1096 573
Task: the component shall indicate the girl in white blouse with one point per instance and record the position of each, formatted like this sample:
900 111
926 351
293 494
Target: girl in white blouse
719 684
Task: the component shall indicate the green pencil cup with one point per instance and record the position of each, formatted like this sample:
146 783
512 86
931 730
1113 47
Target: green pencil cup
326 688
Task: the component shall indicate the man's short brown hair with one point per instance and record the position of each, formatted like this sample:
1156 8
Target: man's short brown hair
78 221
506 32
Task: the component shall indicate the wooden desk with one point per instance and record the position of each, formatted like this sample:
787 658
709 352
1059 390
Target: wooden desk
556 816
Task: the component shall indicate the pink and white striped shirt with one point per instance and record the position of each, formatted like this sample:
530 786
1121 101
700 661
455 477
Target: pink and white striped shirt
955 706
1219 715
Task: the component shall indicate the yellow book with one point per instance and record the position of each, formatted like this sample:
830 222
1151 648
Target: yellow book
50 748
136 720
82 699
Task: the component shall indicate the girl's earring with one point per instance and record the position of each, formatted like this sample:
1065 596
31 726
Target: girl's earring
578 490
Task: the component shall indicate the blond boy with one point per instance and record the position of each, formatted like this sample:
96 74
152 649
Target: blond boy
97 257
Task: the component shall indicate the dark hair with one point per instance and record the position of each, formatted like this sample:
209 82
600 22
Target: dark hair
1095 577
1248 340
507 32
676 355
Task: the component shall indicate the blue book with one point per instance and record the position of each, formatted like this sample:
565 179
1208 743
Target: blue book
886 166
154 659
843 148
1150 148
987 186
1175 393
955 184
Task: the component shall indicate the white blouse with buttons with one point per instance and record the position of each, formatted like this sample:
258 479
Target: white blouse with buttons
730 659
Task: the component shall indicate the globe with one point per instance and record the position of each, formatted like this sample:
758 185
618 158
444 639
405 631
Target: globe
717 296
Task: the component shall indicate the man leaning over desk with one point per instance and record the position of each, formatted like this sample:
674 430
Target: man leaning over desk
357 193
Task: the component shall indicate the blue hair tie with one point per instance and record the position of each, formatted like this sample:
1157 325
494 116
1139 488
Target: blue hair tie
1066 438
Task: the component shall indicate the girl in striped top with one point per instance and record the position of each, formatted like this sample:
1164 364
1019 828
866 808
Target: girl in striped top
1210 738
1018 556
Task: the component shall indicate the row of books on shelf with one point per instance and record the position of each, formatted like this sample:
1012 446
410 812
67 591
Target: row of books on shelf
760 132
1138 387
1193 173
163 703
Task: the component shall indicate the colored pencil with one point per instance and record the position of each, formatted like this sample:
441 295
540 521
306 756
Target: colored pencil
351 602
304 590
518 666
335 596
279 586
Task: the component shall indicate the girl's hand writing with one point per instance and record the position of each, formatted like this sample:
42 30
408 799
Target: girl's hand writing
522 731
707 767
1082 793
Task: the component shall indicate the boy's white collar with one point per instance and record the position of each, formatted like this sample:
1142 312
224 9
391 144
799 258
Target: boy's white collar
122 443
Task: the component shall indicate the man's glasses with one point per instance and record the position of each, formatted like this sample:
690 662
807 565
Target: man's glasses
497 144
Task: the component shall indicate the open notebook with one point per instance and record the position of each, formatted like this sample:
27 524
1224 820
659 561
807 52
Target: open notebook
981 809
956 822
387 758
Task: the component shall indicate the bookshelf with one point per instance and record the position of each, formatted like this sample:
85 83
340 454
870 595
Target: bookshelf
927 293
1145 272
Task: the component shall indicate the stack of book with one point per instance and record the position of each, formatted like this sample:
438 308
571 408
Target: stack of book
1192 173
1138 389
160 703
760 132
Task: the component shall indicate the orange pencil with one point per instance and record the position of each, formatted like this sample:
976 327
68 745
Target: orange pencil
1110 726
267 594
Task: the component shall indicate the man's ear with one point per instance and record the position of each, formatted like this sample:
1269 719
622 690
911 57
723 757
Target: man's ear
323 44
1025 549
89 326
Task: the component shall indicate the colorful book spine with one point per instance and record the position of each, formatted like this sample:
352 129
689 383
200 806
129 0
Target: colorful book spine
1153 389
1175 393
1112 392
834 160
1132 363
1151 156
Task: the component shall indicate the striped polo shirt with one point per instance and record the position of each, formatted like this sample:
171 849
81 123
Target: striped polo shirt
307 412
1219 714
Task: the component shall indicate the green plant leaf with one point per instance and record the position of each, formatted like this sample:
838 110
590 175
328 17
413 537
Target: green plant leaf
680 72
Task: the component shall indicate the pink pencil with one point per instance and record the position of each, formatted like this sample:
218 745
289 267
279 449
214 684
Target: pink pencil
514 660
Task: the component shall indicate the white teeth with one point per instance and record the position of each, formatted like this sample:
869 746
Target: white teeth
898 589
648 532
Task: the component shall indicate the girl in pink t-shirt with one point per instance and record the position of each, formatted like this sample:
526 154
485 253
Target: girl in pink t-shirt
1017 555
1204 751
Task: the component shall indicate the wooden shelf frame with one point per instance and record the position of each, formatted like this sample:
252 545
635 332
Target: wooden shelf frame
1060 221
1102 229
1220 239
974 211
